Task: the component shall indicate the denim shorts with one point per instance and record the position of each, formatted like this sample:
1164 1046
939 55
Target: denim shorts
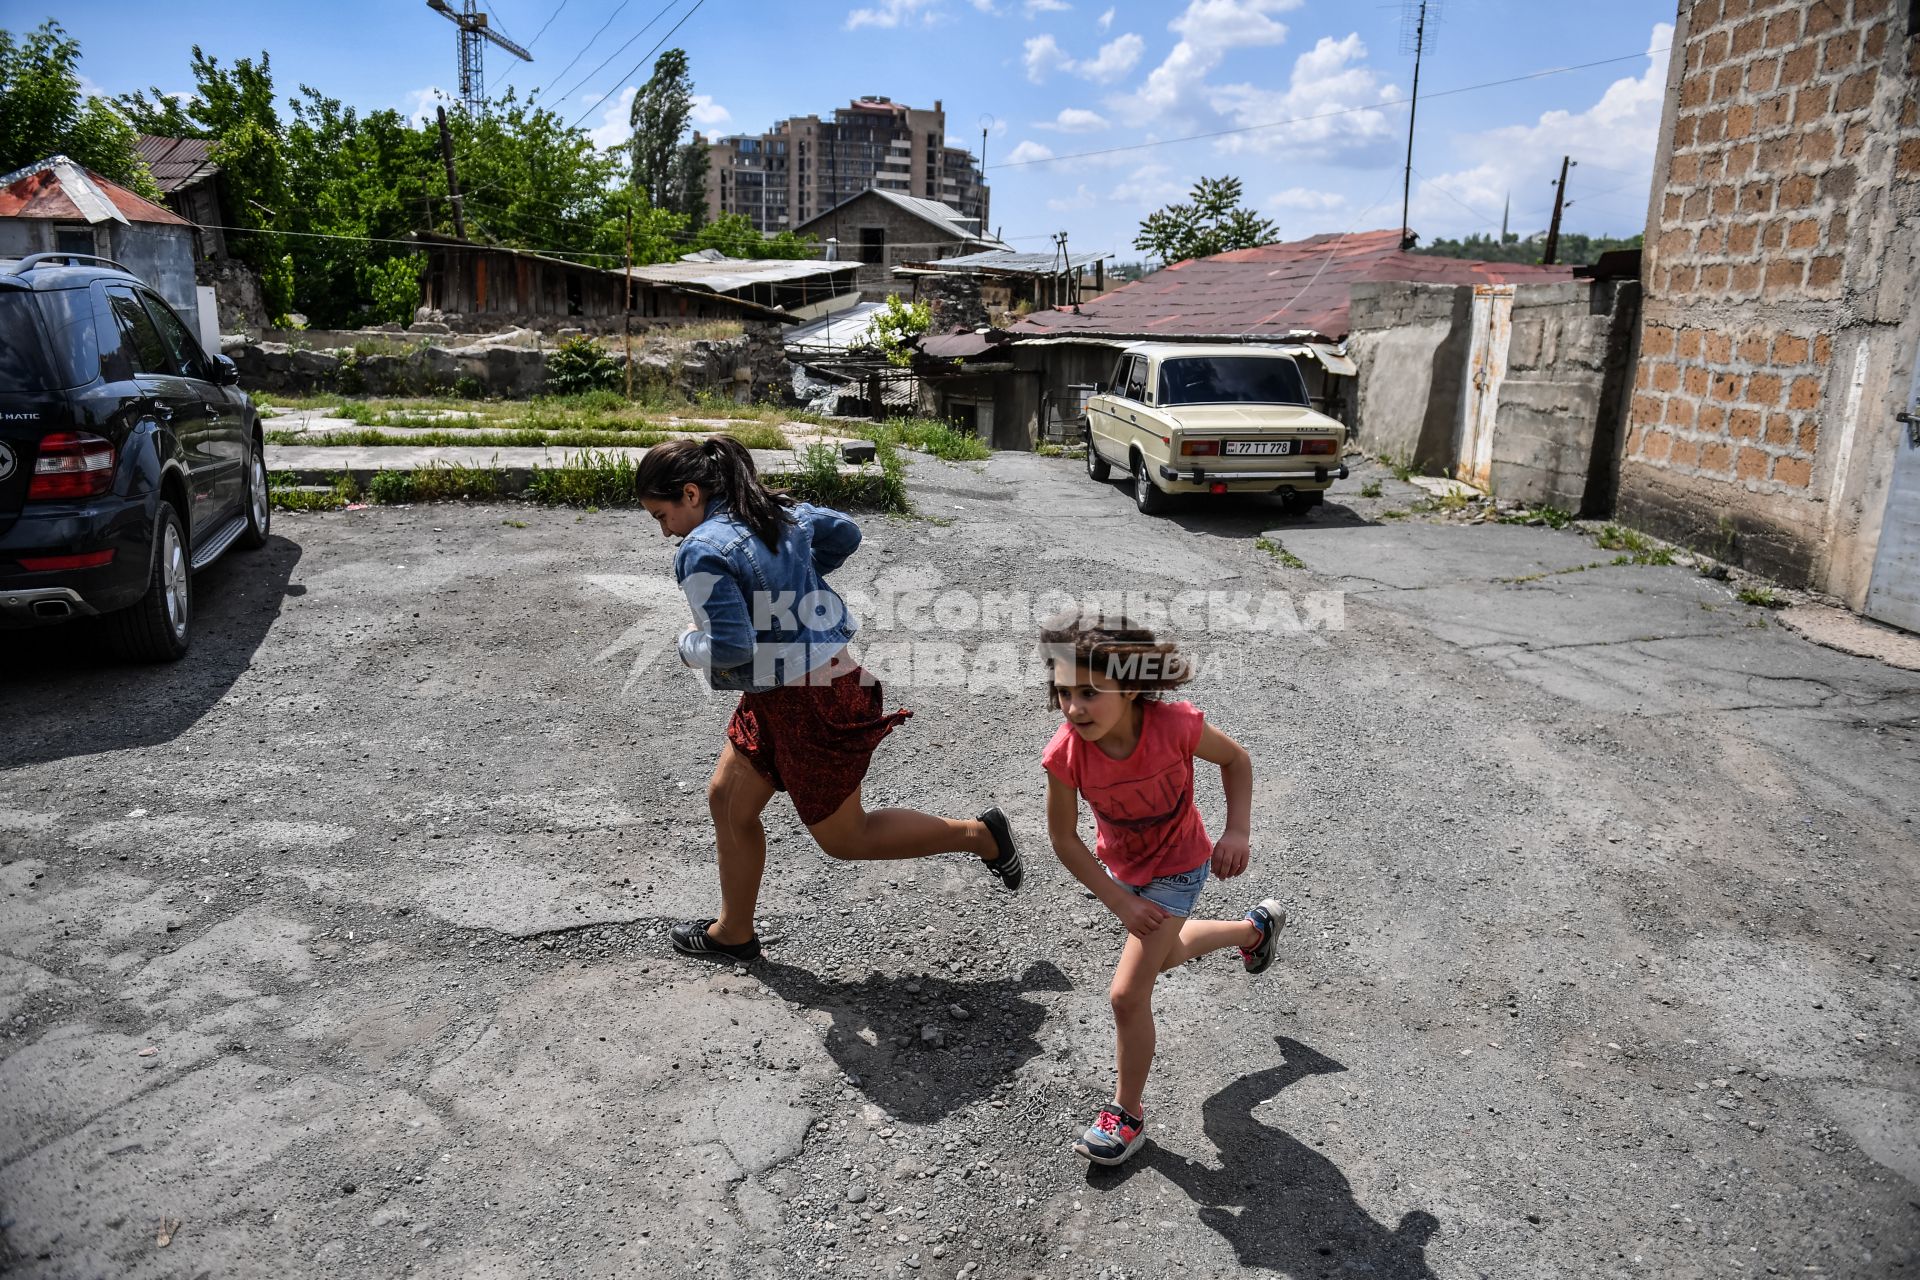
1174 894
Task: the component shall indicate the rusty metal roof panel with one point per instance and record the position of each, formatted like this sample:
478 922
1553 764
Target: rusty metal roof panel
58 188
1294 288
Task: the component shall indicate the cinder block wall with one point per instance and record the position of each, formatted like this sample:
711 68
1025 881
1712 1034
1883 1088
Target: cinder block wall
1410 343
1778 271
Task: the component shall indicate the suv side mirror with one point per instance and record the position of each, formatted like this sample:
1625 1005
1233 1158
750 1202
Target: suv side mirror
225 372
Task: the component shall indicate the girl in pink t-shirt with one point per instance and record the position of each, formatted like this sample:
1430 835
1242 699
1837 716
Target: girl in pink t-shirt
1131 756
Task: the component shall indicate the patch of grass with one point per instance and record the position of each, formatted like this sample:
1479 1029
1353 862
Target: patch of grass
1280 553
1551 517
1554 573
364 412
1639 548
589 479
441 482
758 435
1402 468
1395 514
514 524
287 400
1455 500
710 330
1761 597
286 497
489 439
1371 489
930 435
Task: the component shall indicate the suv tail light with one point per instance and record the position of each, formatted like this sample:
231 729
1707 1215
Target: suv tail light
72 464
1200 448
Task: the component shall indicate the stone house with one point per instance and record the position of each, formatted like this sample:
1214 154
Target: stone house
882 230
1781 345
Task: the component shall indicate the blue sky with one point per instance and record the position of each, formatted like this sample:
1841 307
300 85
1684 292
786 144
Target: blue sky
1050 79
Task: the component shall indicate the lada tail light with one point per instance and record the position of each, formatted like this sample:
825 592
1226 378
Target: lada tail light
1319 446
72 464
1199 448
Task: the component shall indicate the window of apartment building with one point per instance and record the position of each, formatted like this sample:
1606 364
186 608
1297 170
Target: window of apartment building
873 245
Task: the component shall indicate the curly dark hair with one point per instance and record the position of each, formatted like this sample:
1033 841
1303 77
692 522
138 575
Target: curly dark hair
1111 645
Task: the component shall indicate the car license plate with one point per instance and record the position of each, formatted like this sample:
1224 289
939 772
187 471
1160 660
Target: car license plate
1249 448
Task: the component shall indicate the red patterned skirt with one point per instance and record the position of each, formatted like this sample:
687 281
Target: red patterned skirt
814 741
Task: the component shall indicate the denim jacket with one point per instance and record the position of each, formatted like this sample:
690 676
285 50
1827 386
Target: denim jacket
764 618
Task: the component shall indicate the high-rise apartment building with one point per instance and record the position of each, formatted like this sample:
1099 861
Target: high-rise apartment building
804 166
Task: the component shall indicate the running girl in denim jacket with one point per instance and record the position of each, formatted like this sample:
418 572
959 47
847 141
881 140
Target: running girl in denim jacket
753 565
1131 755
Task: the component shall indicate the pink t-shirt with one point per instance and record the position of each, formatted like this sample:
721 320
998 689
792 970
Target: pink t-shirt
1143 805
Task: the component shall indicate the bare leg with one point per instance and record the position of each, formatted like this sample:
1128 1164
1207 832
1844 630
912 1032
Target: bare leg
736 797
853 834
1131 996
1202 937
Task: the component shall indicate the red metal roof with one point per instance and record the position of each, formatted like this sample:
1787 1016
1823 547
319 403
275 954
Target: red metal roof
1295 287
40 193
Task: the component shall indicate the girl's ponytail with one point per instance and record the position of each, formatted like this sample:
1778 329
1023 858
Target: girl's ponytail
722 467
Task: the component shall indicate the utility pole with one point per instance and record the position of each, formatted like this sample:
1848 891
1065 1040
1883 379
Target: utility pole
1419 18
453 184
1559 203
626 315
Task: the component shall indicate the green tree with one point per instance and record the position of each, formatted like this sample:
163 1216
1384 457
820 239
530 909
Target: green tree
1211 222
671 174
1575 249
528 180
896 326
43 112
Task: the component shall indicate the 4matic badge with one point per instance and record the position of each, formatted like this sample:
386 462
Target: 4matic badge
6 462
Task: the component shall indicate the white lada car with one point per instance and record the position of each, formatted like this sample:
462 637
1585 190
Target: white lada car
1212 419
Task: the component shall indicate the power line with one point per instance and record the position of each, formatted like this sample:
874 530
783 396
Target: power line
1324 115
583 48
643 61
622 49
543 26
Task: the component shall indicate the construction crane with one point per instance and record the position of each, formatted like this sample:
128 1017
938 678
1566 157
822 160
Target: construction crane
474 31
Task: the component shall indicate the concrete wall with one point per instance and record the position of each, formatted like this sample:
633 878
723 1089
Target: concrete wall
159 253
1783 257
1410 343
1557 422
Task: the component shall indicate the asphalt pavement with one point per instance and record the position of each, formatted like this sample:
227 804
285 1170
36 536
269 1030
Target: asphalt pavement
339 947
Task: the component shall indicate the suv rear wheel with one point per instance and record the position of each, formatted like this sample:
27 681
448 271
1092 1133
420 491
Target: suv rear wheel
259 501
158 627
1147 495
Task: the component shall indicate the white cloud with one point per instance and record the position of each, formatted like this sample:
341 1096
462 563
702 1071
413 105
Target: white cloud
1028 152
614 129
1082 198
1304 198
1207 30
1106 21
1329 99
708 114
985 6
889 13
1115 59
1037 7
1150 185
1616 137
1076 120
418 105
1044 54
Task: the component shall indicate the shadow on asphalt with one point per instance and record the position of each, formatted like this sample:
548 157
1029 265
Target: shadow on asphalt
1281 1204
911 1080
1245 515
67 693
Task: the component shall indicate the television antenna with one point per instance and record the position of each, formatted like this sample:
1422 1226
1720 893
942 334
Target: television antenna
1417 20
474 34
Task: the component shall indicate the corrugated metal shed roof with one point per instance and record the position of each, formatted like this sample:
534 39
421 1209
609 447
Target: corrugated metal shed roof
58 188
726 274
1009 262
1298 287
177 162
835 333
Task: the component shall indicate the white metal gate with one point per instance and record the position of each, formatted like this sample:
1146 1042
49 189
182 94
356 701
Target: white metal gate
1486 368
1893 594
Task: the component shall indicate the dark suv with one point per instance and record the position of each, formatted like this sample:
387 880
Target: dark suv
128 457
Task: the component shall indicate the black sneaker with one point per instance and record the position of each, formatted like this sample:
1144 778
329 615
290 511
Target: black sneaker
692 939
1006 868
1271 920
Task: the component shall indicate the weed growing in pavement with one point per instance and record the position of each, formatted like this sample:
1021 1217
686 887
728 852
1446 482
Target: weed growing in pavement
758 435
1395 514
1371 489
521 439
1552 517
1402 468
1280 553
1554 573
441 482
287 496
514 524
589 479
930 435
1639 548
1761 597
